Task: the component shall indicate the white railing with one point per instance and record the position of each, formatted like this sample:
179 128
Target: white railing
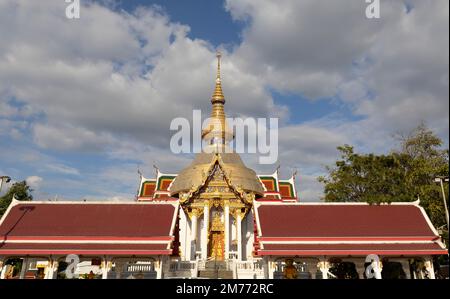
249 269
201 264
249 265
182 265
233 255
140 267
279 266
198 255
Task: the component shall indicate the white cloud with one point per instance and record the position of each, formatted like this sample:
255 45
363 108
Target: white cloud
112 81
69 137
392 72
34 181
62 169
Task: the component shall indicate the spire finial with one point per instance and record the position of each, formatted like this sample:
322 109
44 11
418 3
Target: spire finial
219 56
217 131
218 94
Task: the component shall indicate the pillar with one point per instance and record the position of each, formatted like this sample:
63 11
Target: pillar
271 267
53 267
227 231
405 266
187 239
239 234
266 267
2 264
193 234
430 268
24 268
324 267
106 266
159 269
205 232
120 264
360 267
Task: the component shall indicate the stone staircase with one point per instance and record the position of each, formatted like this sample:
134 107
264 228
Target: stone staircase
215 270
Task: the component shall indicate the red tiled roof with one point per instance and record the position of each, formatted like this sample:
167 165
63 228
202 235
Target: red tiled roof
322 220
114 225
88 219
345 229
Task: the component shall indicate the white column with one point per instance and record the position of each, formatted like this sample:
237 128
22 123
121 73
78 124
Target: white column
271 266
105 269
430 268
193 246
360 267
2 264
205 232
24 268
119 264
159 269
53 267
227 231
2 267
265 265
185 237
324 267
239 234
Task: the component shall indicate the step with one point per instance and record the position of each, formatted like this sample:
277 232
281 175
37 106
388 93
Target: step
215 265
213 274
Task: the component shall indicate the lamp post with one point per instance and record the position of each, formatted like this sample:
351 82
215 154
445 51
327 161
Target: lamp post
441 180
4 178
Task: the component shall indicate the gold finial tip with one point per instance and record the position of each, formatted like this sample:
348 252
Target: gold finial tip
218 94
218 55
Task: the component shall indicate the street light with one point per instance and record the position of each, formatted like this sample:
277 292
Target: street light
441 180
4 178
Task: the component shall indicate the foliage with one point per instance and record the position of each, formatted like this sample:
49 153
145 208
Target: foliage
344 270
19 190
404 174
393 270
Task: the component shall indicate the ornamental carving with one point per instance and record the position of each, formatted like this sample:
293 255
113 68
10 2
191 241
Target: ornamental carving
217 224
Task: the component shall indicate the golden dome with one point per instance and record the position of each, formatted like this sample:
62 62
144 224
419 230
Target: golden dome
192 177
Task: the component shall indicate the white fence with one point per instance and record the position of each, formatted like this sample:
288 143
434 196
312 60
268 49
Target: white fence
249 269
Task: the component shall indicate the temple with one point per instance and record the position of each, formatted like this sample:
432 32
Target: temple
217 218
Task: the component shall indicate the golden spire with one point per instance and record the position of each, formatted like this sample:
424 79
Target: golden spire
217 130
218 94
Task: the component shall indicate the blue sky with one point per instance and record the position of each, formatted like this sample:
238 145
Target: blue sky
207 20
85 103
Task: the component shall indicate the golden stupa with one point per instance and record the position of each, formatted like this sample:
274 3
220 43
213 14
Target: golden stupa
216 135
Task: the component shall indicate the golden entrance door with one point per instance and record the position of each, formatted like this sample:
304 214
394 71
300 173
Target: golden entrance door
217 245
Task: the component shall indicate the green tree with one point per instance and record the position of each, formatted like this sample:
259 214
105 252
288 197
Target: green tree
402 175
427 160
19 190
